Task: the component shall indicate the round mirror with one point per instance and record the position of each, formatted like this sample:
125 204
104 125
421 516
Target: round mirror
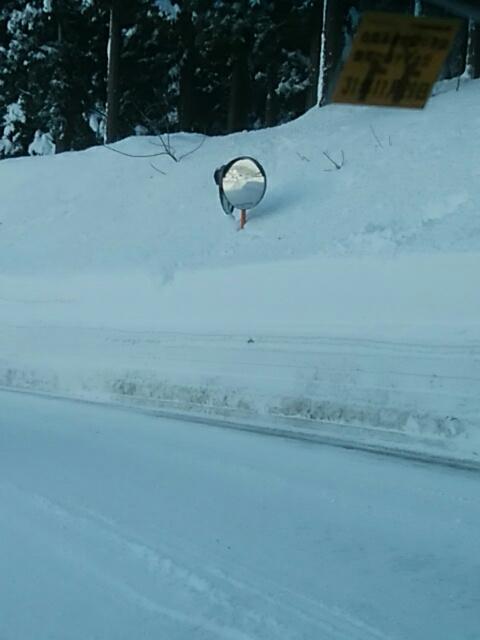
243 183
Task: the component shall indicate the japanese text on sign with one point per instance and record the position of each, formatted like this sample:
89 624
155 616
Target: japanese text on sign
395 60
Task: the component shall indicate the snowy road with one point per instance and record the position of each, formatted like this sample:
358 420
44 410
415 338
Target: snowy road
119 526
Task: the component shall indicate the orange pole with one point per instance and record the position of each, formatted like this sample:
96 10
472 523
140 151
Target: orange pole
243 218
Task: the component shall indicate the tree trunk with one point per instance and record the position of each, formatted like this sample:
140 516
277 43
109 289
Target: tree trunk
271 101
315 51
454 66
58 16
186 99
333 41
61 141
113 78
473 50
238 101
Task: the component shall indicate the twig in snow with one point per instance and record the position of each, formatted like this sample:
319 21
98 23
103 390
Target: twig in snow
157 169
337 165
374 133
165 141
166 145
302 157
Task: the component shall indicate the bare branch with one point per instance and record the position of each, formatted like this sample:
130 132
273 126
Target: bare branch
25 93
189 153
134 155
337 165
165 144
99 111
168 150
157 169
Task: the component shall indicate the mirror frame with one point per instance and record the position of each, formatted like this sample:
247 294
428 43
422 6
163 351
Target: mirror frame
220 173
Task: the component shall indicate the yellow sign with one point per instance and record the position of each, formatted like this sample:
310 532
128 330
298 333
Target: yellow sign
395 60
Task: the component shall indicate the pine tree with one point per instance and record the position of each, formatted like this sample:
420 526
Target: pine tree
333 44
41 43
113 72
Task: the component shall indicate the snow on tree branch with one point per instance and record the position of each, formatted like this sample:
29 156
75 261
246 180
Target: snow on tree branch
169 9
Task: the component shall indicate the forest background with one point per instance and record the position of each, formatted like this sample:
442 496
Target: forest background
75 73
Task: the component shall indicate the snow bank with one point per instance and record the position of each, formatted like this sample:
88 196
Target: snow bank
410 396
351 297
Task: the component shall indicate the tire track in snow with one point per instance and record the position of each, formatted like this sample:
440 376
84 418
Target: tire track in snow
213 591
81 532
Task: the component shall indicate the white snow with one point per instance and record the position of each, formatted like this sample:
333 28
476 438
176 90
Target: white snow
167 8
119 526
41 145
351 296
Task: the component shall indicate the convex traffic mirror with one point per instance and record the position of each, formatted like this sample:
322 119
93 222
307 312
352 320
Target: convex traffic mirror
242 183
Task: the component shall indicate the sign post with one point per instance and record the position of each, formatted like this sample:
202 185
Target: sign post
243 218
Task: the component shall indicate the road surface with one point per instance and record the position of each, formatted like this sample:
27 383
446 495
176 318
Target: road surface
121 526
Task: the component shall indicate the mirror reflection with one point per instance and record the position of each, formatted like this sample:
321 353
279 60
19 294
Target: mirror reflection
244 183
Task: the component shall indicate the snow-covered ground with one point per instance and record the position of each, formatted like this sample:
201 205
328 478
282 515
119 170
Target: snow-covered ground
351 297
116 526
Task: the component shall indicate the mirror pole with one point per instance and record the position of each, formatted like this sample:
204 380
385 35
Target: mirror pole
243 218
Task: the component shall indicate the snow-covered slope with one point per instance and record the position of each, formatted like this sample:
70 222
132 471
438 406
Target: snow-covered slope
358 286
409 187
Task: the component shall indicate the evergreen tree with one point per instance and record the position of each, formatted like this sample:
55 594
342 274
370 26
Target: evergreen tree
46 71
150 69
196 65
